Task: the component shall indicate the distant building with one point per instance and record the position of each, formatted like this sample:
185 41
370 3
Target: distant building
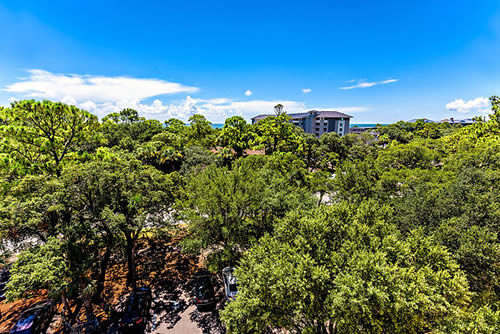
317 121
425 120
364 129
451 120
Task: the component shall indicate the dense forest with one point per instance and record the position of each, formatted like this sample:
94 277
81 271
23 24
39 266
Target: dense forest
389 233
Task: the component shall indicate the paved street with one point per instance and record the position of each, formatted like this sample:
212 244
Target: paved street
183 326
186 319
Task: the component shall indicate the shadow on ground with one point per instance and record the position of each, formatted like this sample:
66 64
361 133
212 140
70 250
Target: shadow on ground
161 266
208 322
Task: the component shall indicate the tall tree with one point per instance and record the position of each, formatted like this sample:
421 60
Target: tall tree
277 134
201 132
131 198
235 135
42 135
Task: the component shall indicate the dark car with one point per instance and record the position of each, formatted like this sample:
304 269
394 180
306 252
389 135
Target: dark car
204 295
35 319
136 313
230 283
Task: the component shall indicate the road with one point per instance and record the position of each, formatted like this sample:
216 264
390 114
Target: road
186 319
184 326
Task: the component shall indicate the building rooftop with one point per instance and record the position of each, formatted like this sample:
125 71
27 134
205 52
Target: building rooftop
331 113
319 113
447 120
425 120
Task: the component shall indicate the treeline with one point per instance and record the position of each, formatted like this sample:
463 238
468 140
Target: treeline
390 233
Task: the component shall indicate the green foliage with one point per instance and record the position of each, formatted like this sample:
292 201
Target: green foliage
200 131
357 180
400 131
394 233
125 197
127 129
36 206
361 146
477 251
40 136
404 132
161 152
235 135
412 155
42 267
229 210
310 151
277 134
332 142
346 268
198 158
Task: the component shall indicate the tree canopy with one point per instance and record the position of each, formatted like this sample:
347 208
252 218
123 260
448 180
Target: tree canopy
41 135
395 230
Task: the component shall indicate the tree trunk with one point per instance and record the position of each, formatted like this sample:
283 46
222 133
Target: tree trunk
131 279
333 327
67 308
101 276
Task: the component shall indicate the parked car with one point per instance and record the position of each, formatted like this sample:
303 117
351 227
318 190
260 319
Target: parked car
136 313
230 283
35 319
204 295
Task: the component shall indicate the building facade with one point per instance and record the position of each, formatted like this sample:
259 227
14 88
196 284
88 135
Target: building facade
318 121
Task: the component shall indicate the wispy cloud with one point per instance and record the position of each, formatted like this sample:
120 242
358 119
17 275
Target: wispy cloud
366 84
480 104
383 82
306 90
248 92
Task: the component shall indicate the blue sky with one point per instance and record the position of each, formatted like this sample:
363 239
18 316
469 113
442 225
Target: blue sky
380 61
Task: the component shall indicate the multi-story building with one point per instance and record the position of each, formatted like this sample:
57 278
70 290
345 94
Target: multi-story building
318 121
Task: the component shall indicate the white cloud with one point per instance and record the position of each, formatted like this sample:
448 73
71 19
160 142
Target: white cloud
99 94
102 95
216 110
383 82
306 90
367 84
248 92
477 104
